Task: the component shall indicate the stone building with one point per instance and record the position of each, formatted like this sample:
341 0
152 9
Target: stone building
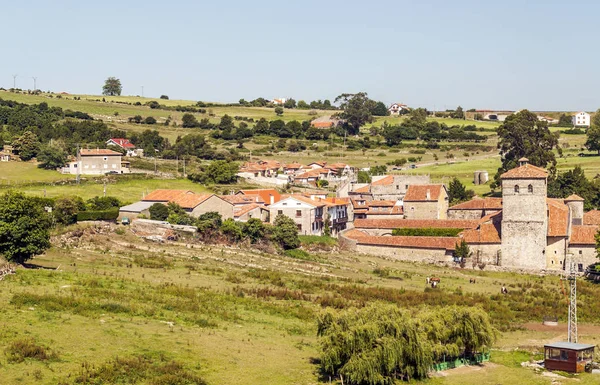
388 187
428 201
97 162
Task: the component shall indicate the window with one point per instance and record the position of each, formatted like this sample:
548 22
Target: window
553 354
299 226
580 251
580 267
564 355
284 204
516 189
397 187
298 204
530 189
279 212
105 158
298 213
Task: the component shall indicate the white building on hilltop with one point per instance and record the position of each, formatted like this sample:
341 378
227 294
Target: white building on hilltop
581 119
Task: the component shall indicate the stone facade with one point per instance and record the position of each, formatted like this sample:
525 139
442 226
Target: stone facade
524 222
214 203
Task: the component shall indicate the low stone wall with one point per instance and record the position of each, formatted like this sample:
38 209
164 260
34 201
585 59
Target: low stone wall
407 253
346 243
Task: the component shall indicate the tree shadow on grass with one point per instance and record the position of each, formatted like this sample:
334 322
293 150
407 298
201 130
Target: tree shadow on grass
318 370
33 266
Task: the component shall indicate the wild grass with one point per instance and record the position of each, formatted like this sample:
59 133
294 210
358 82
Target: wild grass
27 348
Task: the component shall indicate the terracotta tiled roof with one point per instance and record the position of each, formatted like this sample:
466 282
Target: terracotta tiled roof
415 223
243 199
98 151
332 202
527 171
122 142
318 163
313 202
418 192
382 203
165 195
293 166
574 198
337 165
265 194
583 235
246 209
479 204
363 190
486 233
591 217
444 243
385 181
558 218
190 201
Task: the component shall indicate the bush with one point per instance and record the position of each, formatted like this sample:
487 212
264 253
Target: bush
285 232
159 212
149 120
426 232
165 97
19 350
104 215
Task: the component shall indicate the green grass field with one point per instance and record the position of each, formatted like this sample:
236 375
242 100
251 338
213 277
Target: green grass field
238 316
11 172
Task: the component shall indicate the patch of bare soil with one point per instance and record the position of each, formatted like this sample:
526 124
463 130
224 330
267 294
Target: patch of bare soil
466 370
561 328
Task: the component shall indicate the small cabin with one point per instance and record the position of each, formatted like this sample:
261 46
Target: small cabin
568 356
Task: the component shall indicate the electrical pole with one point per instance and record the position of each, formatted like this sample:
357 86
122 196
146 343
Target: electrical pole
571 276
142 91
15 80
34 83
78 164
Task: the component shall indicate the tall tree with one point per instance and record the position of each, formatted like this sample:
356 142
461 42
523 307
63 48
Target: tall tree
458 113
457 192
51 157
27 145
356 110
285 232
24 227
380 109
592 142
112 87
523 135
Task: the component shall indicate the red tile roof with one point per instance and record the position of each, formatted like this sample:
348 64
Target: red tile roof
385 181
363 190
190 201
415 223
486 233
527 171
243 199
418 192
313 202
98 151
558 218
122 142
265 194
591 217
444 243
246 209
583 235
165 195
293 166
479 204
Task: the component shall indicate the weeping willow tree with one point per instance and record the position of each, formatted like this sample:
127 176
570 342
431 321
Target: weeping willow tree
380 343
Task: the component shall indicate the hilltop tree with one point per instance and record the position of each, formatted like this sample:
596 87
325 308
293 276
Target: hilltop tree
458 113
279 111
523 135
24 227
290 103
593 134
356 111
380 109
112 87
189 121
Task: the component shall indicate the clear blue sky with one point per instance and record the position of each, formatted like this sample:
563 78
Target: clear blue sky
479 54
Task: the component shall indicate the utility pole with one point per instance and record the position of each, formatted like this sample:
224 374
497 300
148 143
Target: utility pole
184 167
34 83
15 80
142 91
105 188
78 164
571 276
155 163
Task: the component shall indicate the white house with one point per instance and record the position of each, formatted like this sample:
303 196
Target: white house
581 119
398 108
126 145
97 162
305 212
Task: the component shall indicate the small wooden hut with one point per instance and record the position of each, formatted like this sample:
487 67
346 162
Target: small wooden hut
568 356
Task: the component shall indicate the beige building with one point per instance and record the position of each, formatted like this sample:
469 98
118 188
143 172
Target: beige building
97 162
387 187
193 204
306 213
428 201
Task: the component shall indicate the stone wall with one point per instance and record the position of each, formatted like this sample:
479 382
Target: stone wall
584 254
214 203
407 253
556 251
422 210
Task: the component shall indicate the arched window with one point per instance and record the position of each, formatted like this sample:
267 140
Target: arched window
517 189
530 189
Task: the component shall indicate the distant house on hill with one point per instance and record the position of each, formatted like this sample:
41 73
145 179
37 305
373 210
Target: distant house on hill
398 109
279 101
97 162
193 204
325 122
581 119
126 145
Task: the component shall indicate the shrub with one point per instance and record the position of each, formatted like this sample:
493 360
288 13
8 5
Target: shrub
285 232
19 350
149 120
165 97
426 232
159 212
104 215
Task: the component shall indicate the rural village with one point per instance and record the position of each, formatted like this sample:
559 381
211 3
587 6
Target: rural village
246 198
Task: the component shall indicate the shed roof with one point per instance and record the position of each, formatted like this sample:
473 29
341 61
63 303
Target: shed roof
98 151
136 207
592 217
583 235
479 204
569 345
420 192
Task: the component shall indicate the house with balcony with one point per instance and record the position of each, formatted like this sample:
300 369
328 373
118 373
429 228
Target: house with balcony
307 213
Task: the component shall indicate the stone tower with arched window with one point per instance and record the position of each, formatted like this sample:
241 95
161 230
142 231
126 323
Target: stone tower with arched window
524 216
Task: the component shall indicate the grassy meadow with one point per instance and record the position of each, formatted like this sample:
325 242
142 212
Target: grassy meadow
104 305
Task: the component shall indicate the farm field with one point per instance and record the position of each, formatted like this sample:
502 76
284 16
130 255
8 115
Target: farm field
11 172
240 316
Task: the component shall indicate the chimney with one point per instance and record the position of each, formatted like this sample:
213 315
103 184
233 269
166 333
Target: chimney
257 199
272 199
523 161
428 194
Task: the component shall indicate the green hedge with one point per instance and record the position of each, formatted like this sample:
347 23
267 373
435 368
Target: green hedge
105 215
427 232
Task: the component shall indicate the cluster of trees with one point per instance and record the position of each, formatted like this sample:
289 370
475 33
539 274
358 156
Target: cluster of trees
139 119
457 192
211 226
290 103
25 223
417 127
217 172
523 135
381 343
